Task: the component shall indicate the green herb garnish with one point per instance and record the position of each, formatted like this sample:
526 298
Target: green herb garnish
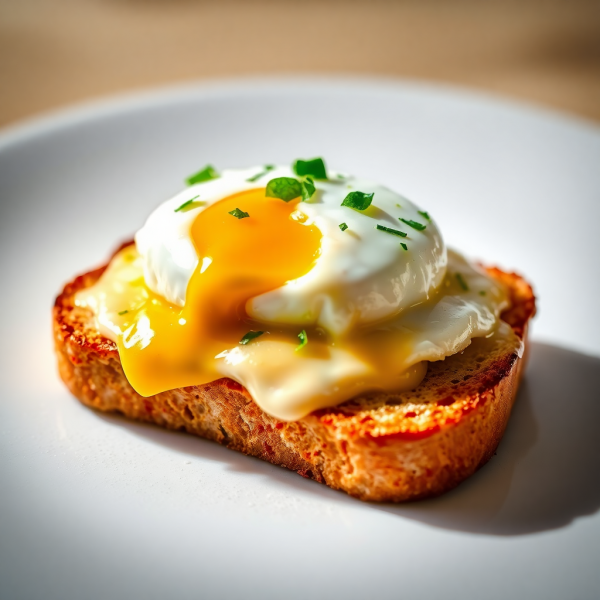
413 224
462 282
343 226
425 214
482 292
303 340
238 214
256 177
404 246
308 189
123 312
185 204
206 174
248 337
392 231
284 188
315 167
358 200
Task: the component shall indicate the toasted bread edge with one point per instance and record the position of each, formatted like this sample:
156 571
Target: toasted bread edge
373 449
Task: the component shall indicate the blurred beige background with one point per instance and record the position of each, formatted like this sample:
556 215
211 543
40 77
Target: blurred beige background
57 52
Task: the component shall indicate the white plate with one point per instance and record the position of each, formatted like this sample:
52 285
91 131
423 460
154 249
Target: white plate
93 506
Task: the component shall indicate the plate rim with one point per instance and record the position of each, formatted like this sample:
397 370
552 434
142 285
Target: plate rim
106 105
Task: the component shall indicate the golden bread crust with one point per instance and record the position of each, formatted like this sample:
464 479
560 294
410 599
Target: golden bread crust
380 447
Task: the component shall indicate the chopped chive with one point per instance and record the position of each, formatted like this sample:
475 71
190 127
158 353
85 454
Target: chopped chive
284 188
315 167
358 200
185 204
308 189
303 340
265 170
392 231
206 174
413 224
404 245
398 205
425 214
343 226
462 282
340 176
248 337
123 312
482 292
238 214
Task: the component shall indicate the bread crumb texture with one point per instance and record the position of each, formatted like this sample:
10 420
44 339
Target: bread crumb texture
379 447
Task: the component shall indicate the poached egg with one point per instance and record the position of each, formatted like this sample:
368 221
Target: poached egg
307 300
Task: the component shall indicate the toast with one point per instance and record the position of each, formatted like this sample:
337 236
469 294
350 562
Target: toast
379 447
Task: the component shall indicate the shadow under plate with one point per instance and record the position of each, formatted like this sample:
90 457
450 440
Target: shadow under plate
546 471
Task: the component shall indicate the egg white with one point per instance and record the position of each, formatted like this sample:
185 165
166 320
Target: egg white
362 275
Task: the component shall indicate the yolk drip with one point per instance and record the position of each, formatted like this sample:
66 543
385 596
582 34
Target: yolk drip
169 347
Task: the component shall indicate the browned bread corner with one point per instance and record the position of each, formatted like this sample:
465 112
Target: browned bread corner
380 447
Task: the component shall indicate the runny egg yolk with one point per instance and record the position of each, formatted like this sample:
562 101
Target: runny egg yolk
168 347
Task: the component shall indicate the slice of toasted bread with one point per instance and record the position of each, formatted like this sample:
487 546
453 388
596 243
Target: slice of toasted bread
381 447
